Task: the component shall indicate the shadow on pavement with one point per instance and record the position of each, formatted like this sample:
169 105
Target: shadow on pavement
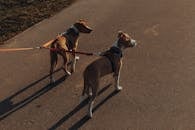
7 107
79 107
83 120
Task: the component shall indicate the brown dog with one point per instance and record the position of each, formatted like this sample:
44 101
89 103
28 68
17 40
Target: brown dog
110 62
67 41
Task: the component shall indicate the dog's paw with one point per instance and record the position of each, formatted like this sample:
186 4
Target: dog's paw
77 58
67 73
119 88
90 114
52 81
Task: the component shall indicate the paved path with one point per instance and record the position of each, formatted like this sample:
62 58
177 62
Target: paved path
157 76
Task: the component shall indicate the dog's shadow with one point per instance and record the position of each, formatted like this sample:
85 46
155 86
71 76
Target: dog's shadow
7 107
84 119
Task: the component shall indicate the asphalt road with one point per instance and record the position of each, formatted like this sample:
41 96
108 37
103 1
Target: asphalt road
158 76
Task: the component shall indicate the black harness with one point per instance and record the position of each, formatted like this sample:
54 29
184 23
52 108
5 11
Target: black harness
73 32
116 51
113 52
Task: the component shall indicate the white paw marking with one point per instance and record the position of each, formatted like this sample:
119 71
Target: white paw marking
77 58
90 114
119 88
67 73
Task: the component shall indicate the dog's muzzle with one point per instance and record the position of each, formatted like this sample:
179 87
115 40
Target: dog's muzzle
133 43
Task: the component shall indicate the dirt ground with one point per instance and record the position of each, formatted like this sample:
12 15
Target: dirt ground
16 16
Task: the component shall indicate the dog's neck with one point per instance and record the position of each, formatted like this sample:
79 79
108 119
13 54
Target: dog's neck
72 34
116 44
73 37
75 30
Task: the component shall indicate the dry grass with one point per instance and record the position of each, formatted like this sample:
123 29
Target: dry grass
18 15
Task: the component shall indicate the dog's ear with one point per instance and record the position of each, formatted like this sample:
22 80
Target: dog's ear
120 34
82 21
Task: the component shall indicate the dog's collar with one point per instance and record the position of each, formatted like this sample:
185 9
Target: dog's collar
116 51
116 45
70 30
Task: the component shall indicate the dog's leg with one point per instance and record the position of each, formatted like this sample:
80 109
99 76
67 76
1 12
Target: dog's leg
73 64
53 62
94 88
84 92
90 109
65 67
77 58
118 87
117 77
91 103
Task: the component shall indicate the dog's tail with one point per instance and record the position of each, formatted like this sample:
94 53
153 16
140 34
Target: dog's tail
47 44
86 83
91 81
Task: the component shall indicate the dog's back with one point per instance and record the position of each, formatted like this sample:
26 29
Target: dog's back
60 43
98 68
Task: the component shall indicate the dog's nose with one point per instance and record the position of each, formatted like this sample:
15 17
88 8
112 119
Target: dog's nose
90 30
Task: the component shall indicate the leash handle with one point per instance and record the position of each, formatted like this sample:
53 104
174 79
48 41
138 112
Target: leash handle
51 49
15 49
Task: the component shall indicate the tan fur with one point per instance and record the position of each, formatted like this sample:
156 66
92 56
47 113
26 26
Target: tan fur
64 42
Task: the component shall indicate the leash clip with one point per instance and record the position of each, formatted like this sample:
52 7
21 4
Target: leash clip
38 47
